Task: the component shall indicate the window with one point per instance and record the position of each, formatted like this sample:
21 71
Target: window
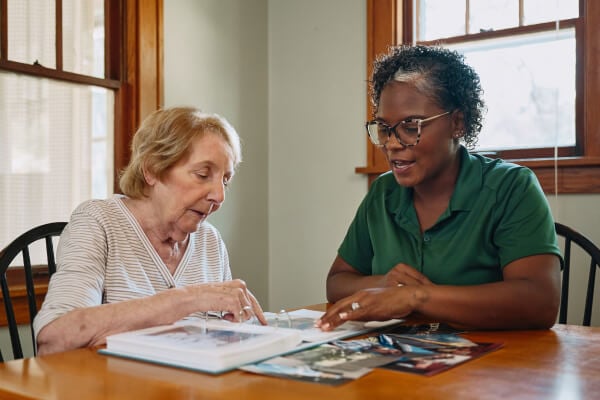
525 54
56 134
70 85
76 77
538 61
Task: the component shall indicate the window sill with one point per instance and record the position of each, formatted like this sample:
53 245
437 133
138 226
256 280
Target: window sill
569 175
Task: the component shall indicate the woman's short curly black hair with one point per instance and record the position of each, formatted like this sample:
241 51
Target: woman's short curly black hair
439 73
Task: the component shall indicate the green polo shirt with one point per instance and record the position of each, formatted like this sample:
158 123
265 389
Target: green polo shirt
497 214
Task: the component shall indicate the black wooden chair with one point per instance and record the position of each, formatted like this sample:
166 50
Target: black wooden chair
573 238
22 245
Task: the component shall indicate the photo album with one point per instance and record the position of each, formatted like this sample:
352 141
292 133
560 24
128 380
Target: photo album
210 345
214 345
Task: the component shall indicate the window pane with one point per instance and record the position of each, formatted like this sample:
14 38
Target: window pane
83 37
485 15
440 19
55 150
32 31
537 11
102 141
529 88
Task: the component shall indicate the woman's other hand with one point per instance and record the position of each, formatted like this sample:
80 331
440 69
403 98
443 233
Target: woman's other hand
375 304
233 298
404 274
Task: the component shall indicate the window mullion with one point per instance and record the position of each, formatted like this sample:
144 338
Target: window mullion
58 33
467 15
415 18
521 11
3 29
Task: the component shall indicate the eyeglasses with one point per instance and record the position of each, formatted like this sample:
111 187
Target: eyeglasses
408 135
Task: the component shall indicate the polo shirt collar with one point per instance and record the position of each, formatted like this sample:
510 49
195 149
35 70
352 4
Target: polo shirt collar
399 199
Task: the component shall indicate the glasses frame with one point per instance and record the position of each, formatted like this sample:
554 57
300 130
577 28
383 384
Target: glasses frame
392 129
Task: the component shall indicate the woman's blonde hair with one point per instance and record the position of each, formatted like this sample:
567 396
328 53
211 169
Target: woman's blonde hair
164 138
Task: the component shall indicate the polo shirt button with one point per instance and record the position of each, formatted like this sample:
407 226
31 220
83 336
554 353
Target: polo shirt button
426 238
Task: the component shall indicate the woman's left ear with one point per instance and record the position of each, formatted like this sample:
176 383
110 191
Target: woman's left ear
458 134
458 124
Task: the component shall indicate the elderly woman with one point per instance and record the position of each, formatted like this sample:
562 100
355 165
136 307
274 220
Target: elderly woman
453 236
149 257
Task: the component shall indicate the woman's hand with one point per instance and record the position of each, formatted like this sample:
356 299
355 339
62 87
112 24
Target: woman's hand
232 298
403 274
375 304
344 280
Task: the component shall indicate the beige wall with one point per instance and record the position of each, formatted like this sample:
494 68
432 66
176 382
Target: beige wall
216 59
290 75
317 94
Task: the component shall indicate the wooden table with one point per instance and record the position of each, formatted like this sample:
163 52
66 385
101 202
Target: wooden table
561 363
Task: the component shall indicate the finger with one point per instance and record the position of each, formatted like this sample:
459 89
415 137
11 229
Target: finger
246 313
235 283
241 283
234 301
418 278
406 271
355 311
250 307
329 322
408 276
233 304
339 313
407 280
258 311
228 316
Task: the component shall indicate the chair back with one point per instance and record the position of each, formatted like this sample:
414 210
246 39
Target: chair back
21 245
573 238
